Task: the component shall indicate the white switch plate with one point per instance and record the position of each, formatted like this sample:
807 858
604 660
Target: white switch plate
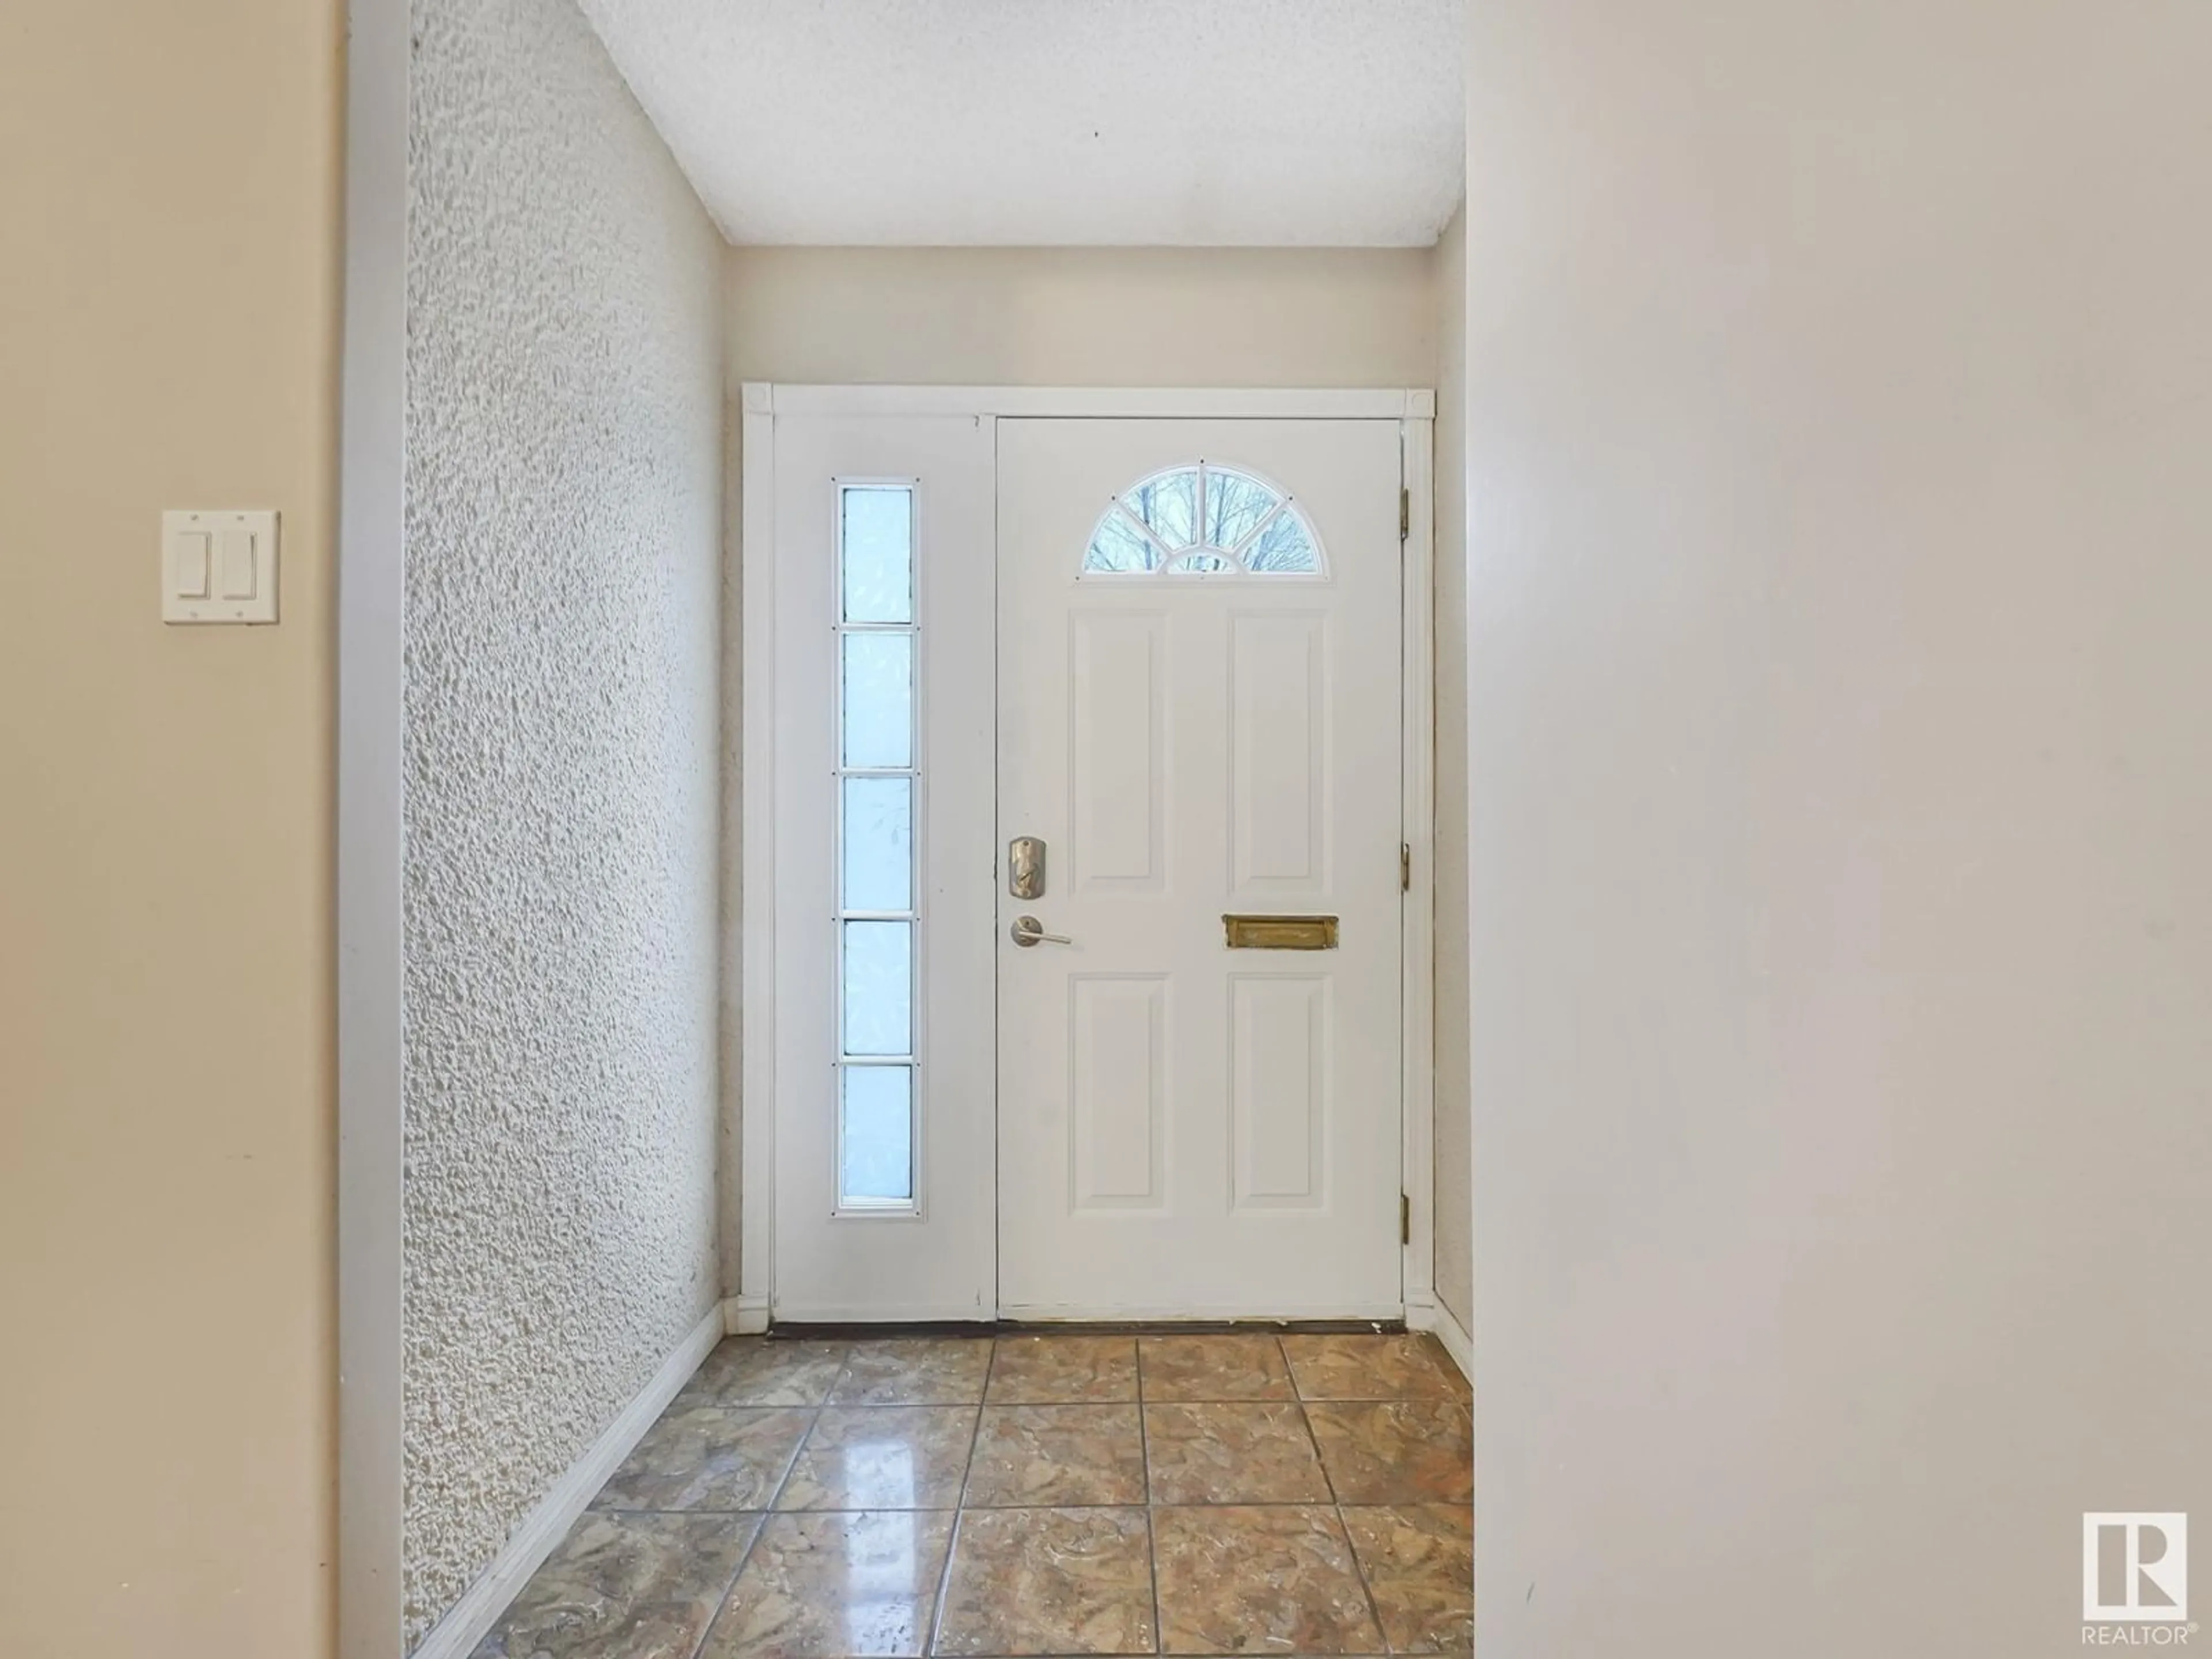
218 567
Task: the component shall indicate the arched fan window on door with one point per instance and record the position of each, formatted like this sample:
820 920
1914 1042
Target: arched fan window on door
1203 519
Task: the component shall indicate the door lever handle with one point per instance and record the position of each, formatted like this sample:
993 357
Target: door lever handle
1027 931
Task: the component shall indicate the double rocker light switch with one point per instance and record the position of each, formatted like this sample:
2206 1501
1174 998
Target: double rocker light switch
218 567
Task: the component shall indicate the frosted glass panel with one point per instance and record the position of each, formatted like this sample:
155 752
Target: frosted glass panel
877 795
878 1157
878 547
878 700
878 987
878 844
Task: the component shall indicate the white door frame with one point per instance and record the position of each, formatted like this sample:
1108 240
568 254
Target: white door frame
1415 412
370 572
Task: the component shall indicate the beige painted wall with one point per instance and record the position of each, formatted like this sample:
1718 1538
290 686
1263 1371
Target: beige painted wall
168 305
1840 393
1455 1245
1173 317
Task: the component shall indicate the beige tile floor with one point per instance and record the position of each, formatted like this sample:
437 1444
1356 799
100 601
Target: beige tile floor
1029 1495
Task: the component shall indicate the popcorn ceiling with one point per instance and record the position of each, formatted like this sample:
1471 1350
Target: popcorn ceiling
1028 123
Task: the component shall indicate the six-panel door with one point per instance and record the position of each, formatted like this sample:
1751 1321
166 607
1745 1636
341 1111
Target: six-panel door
1199 639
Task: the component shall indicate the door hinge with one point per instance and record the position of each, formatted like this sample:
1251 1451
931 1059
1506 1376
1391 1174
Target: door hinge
1405 866
1405 512
1404 1220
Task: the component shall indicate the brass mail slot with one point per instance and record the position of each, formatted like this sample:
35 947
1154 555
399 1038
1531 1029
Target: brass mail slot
1280 933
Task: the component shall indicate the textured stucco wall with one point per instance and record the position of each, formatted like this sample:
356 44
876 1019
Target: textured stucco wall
563 482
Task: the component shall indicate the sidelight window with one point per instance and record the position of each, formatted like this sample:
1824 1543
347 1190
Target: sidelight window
878 786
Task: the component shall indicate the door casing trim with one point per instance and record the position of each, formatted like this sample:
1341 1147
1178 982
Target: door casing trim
1414 411
1099 402
370 588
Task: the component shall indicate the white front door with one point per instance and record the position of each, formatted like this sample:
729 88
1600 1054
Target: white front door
1199 638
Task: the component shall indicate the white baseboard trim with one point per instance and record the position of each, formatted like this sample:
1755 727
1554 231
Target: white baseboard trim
744 1316
1428 1314
456 1635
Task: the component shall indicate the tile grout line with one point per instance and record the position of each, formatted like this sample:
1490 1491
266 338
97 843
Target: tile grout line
1359 1569
1305 1421
1006 1509
722 1599
1336 1509
960 1506
1152 1533
768 1513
